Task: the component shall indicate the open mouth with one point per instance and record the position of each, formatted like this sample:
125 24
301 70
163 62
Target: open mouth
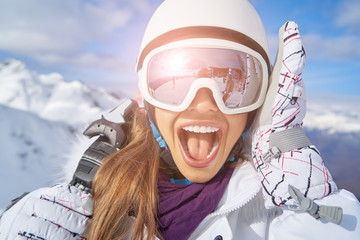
199 144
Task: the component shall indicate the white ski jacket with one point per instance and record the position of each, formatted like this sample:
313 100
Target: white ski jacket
58 213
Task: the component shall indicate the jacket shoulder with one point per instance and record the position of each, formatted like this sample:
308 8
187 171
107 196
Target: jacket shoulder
301 225
49 213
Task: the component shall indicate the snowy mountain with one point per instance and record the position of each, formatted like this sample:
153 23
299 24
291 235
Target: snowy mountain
42 118
49 96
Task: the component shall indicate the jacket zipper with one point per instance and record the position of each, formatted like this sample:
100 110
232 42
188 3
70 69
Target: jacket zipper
203 224
225 212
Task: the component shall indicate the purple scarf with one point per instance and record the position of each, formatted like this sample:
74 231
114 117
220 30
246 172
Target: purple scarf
183 207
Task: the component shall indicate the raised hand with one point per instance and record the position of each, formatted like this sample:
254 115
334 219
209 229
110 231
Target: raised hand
282 153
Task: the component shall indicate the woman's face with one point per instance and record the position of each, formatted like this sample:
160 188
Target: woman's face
201 137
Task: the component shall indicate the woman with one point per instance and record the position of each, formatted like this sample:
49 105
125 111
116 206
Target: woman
198 178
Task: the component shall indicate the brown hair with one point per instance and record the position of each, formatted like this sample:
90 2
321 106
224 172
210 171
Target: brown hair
125 188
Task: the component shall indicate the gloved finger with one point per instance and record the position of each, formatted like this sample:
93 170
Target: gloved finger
293 50
289 104
286 74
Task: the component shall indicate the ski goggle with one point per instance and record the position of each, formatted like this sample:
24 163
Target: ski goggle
171 78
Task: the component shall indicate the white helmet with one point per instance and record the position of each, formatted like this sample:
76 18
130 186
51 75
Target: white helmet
224 24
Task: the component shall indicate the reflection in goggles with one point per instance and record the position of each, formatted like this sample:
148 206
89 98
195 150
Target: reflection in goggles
237 75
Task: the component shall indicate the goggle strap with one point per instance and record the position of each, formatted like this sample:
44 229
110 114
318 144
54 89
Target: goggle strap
203 32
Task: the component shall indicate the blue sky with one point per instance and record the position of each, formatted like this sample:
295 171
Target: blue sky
97 41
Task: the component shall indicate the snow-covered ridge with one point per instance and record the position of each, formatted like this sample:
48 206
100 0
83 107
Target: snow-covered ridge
49 96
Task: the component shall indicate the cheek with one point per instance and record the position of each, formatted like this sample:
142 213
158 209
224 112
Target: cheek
237 125
239 121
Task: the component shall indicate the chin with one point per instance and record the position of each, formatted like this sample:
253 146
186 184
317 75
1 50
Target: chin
199 175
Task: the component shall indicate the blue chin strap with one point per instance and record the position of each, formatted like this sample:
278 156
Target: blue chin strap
157 136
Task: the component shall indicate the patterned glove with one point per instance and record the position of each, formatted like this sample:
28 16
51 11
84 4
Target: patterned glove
282 153
47 213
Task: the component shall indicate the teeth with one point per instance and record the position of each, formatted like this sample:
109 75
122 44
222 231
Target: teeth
201 129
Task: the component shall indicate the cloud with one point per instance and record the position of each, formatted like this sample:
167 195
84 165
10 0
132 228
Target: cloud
337 48
348 15
57 30
144 6
84 60
334 113
345 46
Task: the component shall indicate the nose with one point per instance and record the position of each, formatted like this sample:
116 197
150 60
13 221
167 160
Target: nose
203 102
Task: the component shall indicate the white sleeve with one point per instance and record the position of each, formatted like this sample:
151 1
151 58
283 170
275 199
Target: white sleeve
301 225
47 213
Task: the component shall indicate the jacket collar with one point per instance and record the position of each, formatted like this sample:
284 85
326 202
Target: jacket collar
243 186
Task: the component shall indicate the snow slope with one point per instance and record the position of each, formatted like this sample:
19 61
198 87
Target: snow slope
32 149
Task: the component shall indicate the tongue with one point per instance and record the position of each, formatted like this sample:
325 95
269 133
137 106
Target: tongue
200 144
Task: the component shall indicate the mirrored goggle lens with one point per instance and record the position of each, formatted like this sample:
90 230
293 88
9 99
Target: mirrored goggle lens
238 75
